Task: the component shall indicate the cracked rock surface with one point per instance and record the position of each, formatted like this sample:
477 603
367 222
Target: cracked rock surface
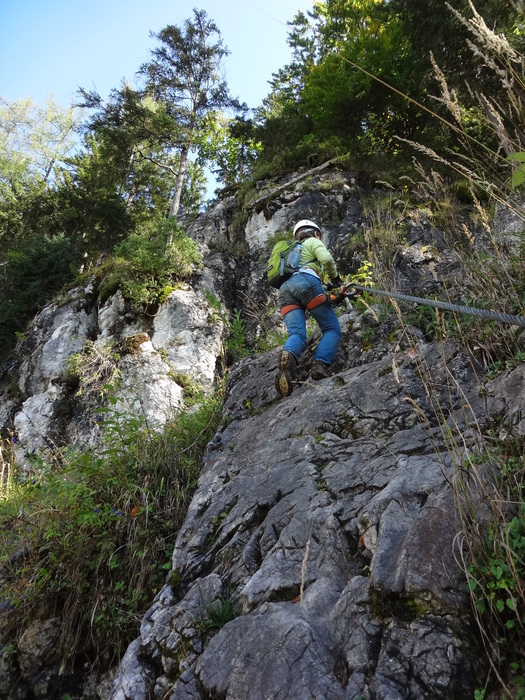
319 555
328 522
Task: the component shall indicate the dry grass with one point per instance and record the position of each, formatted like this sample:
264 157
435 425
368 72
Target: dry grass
488 481
484 166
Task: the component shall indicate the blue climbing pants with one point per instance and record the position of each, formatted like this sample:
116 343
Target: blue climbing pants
304 291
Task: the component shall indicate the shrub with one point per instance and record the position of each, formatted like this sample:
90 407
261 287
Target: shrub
98 530
95 368
236 341
490 489
32 274
145 266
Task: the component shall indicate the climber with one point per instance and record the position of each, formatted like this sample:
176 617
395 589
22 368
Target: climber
303 290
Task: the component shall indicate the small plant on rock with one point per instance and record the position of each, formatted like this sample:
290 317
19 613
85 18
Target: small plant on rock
216 614
95 368
490 493
146 265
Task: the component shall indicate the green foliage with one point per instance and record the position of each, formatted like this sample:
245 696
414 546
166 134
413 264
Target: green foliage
193 191
231 146
36 137
495 537
518 174
360 78
336 96
99 529
269 340
144 267
236 341
501 575
236 347
32 274
217 613
34 144
350 102
500 365
124 152
364 278
216 305
192 392
184 76
133 132
483 132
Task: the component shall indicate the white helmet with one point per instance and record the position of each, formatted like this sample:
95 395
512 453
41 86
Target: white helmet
305 223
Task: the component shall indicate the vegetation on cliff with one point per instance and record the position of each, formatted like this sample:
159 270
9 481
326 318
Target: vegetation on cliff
430 104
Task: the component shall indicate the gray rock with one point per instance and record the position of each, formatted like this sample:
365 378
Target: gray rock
345 477
326 521
38 656
190 333
186 338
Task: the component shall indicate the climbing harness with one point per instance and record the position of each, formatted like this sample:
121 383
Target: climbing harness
472 311
316 301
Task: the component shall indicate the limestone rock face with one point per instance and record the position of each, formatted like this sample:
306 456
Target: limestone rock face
318 557
183 339
329 520
38 658
190 334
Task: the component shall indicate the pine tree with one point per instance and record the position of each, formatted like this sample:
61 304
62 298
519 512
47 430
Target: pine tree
184 75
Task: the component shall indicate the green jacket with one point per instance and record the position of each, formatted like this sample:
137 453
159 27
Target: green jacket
314 254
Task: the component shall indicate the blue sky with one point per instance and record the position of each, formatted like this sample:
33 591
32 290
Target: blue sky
55 46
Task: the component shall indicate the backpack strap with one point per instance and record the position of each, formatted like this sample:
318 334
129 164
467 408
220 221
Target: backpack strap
281 264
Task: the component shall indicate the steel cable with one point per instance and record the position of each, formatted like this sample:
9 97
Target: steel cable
472 311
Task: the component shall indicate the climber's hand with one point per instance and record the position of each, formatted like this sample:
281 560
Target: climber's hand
335 282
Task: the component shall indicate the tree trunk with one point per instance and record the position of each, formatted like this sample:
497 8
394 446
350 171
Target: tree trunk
175 201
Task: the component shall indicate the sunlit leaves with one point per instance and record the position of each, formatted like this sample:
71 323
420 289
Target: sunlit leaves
518 172
184 75
35 138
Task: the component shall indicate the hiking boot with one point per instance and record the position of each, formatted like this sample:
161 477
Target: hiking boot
286 367
319 370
